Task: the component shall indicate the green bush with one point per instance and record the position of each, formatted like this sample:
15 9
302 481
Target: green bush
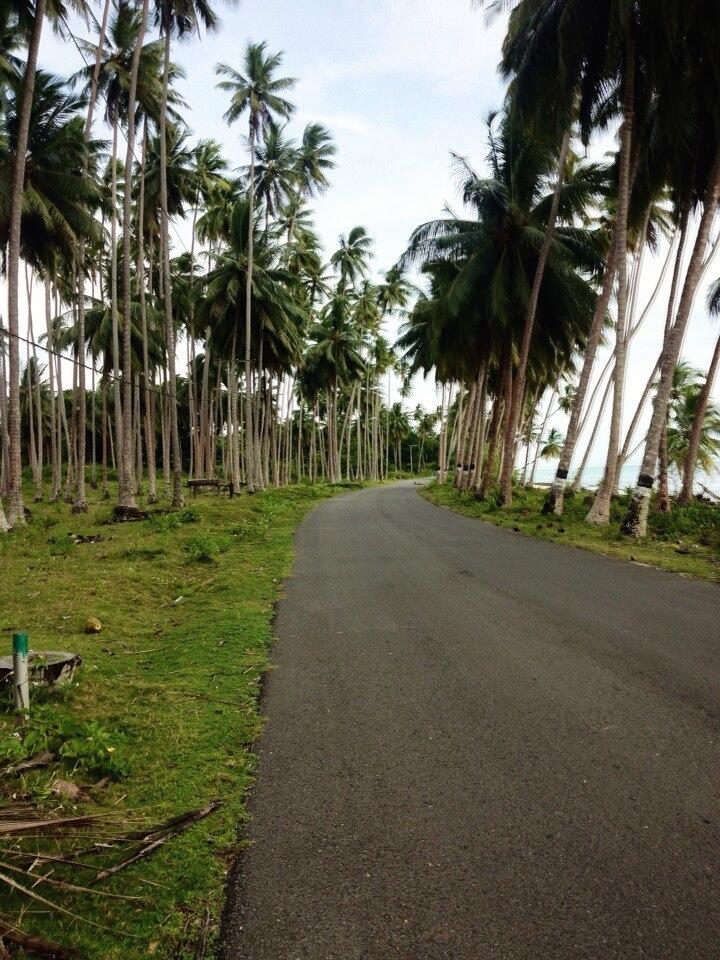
698 521
204 548
81 745
61 544
163 522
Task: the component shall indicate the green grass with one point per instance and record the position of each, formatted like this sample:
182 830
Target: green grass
686 540
166 700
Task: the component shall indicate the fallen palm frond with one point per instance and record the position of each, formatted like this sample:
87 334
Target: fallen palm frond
45 827
53 851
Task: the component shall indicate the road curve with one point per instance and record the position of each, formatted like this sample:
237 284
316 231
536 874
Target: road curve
481 747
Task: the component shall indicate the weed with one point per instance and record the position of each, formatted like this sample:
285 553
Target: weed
204 548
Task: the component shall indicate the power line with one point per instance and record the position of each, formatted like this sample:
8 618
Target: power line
73 360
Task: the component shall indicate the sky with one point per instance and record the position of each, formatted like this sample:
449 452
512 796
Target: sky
400 83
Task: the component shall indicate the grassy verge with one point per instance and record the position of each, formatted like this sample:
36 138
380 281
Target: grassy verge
165 702
686 540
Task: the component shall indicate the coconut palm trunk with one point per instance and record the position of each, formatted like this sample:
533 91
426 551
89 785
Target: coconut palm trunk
480 452
468 453
250 451
511 427
4 436
16 507
126 491
149 420
117 397
34 394
176 464
600 511
54 447
635 522
464 416
686 493
80 503
554 502
205 412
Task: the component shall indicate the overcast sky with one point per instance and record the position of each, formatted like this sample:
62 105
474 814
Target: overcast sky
400 83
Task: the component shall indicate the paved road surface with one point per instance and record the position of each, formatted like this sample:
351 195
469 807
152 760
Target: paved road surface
481 746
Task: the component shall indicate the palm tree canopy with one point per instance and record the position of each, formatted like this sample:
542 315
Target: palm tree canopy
278 313
257 91
60 194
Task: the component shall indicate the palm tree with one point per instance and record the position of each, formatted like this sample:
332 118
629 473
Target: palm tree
334 359
179 18
552 446
519 384
275 172
59 194
350 260
126 489
315 159
698 428
278 309
79 505
682 443
398 426
259 92
477 315
29 19
126 74
425 423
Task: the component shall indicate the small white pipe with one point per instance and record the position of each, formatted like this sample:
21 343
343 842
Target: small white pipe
20 671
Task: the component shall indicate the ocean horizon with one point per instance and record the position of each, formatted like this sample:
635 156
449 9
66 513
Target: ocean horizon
628 477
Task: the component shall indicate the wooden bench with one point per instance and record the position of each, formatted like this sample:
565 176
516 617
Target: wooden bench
195 485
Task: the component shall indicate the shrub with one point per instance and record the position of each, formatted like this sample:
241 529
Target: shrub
82 745
163 522
204 548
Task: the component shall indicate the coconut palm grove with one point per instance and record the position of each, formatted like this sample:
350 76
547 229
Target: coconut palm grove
188 371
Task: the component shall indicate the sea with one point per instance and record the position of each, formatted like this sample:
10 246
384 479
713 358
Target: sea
593 475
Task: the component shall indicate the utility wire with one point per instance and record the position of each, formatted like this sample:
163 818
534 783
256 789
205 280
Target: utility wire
73 360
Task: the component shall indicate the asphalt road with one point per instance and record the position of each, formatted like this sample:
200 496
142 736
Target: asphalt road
481 746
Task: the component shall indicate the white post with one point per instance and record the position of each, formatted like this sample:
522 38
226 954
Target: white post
20 671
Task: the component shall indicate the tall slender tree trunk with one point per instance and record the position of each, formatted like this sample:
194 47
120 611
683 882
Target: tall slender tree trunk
93 432
104 442
600 511
250 452
138 433
117 396
464 421
176 461
663 498
16 507
690 465
515 405
149 420
532 410
479 448
4 436
635 522
473 418
126 491
54 451
34 387
80 502
556 494
575 486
